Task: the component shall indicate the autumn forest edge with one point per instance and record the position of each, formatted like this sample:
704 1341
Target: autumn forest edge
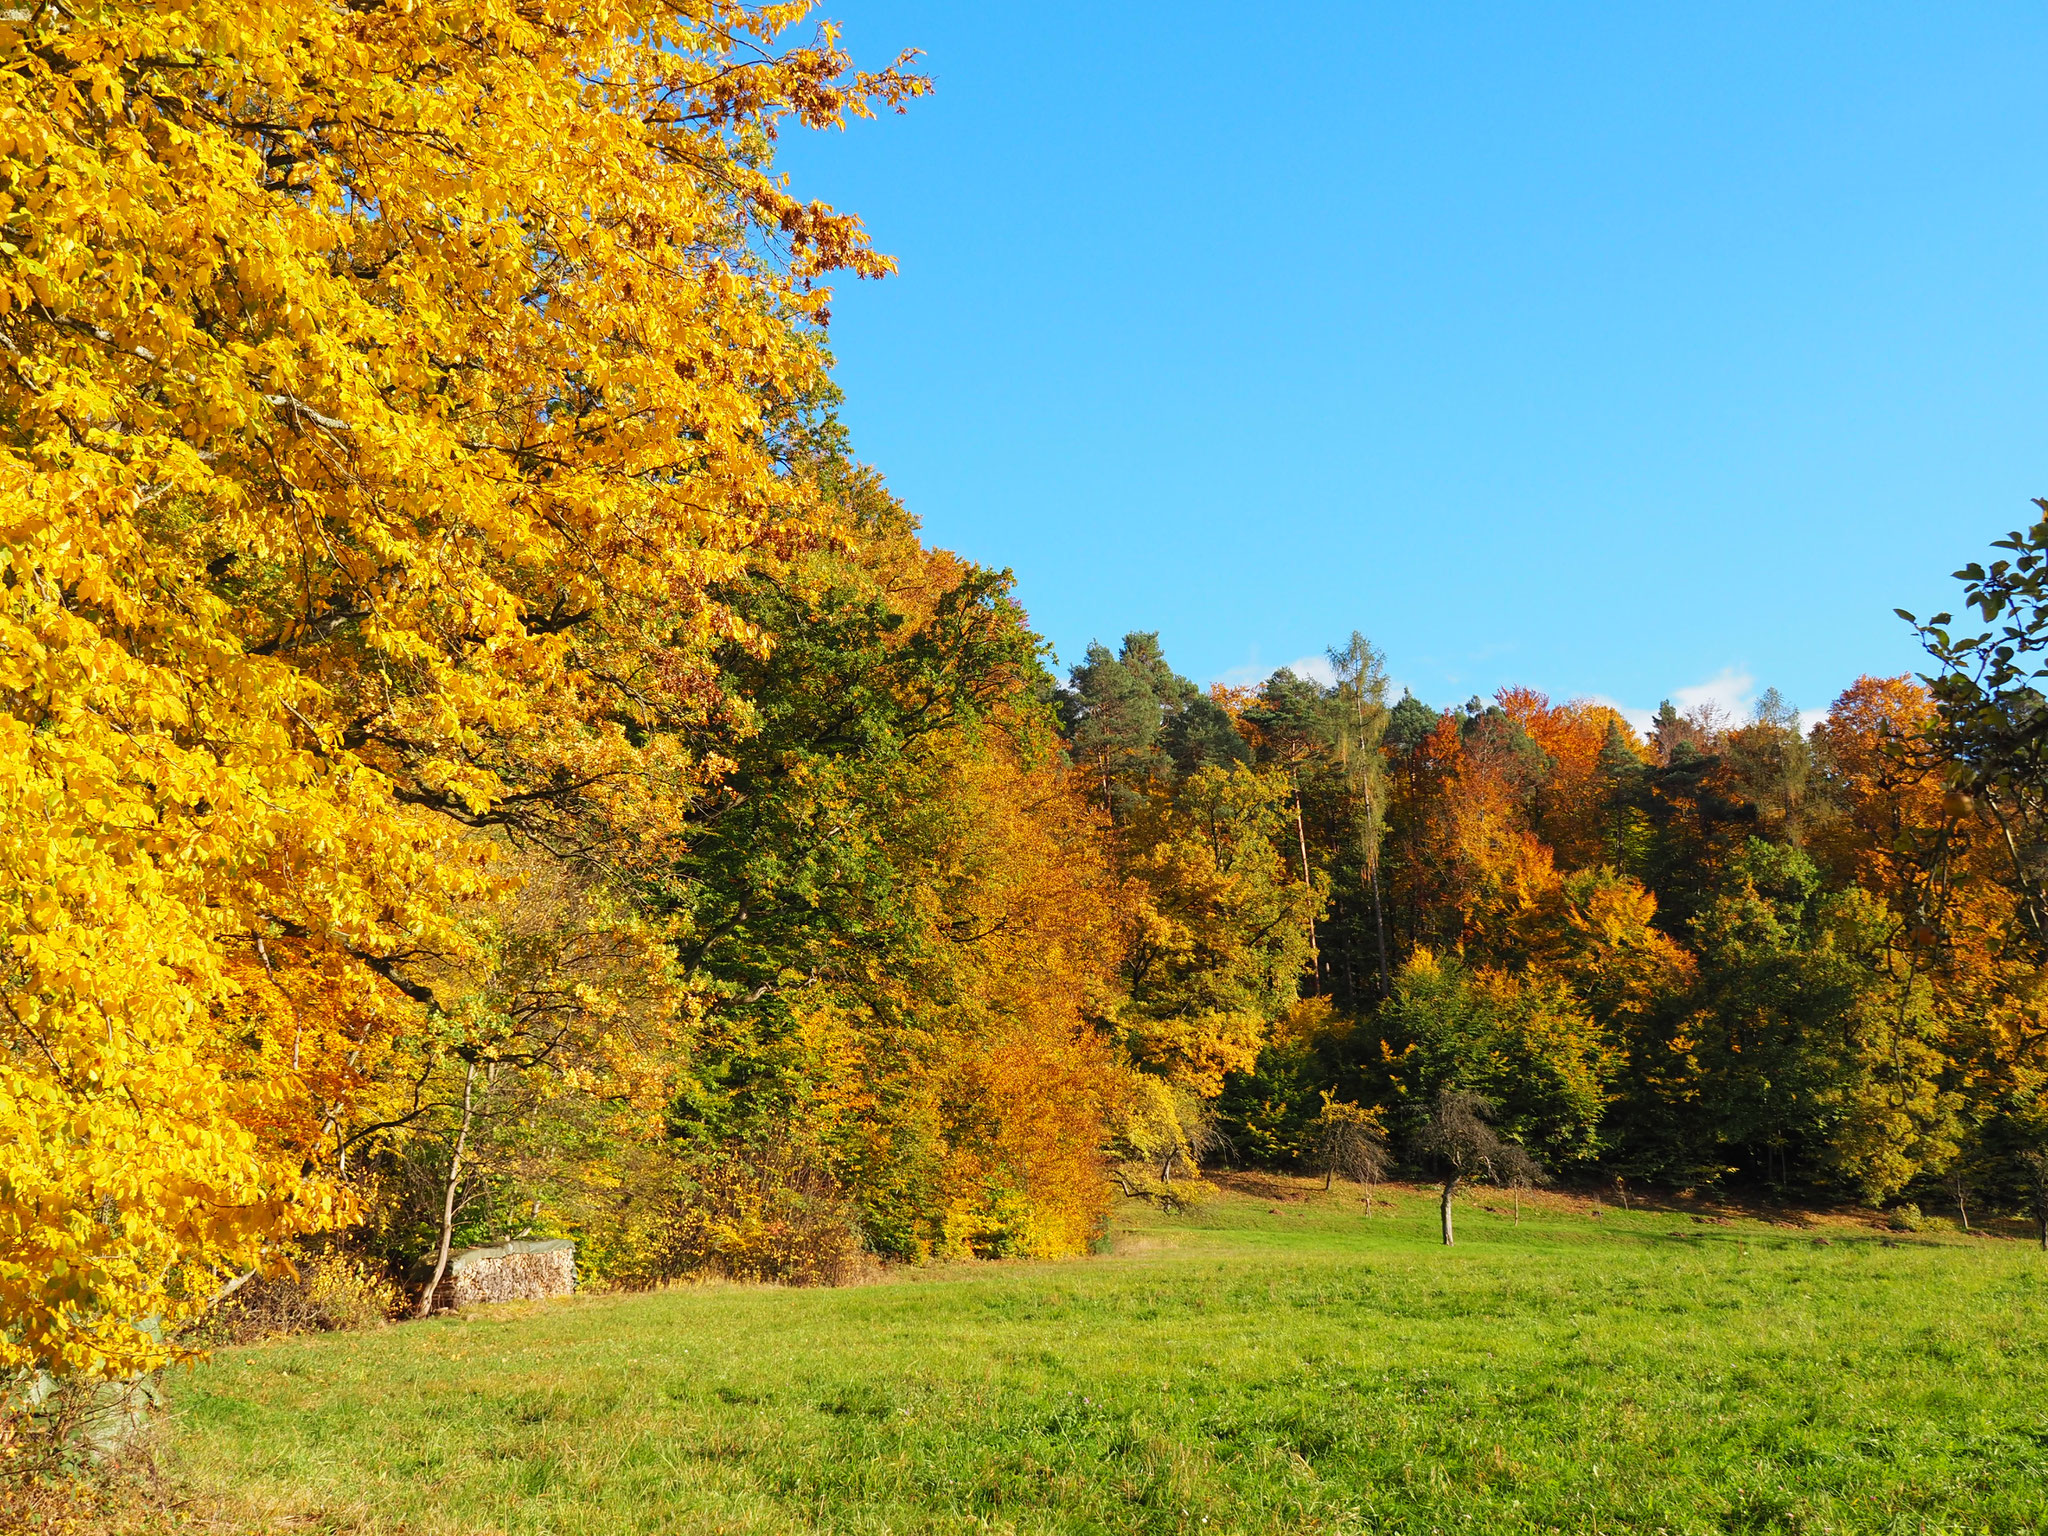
481 756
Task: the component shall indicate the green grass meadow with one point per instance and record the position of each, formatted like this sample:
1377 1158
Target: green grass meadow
1263 1365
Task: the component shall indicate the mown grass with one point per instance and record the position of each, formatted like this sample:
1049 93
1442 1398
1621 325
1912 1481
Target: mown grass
1257 1367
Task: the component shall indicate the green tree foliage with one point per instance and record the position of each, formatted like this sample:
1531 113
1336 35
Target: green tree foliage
852 900
1800 1047
1524 1043
1270 1109
1134 725
1113 715
1409 724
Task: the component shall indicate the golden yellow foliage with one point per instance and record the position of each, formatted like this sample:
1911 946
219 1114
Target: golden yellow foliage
381 386
1030 902
1216 930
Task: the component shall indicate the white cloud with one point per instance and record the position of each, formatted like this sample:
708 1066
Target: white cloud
1254 673
1732 691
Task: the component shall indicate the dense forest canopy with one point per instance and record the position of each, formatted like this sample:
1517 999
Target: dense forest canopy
1732 950
479 756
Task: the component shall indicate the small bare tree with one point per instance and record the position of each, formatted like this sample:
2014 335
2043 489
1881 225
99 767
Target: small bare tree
1459 1140
1167 1126
1201 1133
1347 1140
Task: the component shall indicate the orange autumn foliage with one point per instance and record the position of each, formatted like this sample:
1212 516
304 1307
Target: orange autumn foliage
1471 855
1572 736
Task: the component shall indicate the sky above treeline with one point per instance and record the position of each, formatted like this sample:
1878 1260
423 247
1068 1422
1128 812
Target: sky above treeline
1621 351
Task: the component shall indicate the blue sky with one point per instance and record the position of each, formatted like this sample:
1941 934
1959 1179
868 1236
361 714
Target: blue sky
1622 351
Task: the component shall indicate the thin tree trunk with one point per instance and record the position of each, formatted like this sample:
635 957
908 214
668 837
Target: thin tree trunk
1444 1209
231 1287
1962 1205
448 1199
1329 1177
1517 1192
1379 923
1368 1199
1372 875
1301 833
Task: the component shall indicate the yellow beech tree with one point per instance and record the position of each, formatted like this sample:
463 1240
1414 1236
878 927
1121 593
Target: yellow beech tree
382 387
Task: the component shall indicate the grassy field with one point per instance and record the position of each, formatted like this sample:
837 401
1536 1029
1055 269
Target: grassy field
1273 1363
